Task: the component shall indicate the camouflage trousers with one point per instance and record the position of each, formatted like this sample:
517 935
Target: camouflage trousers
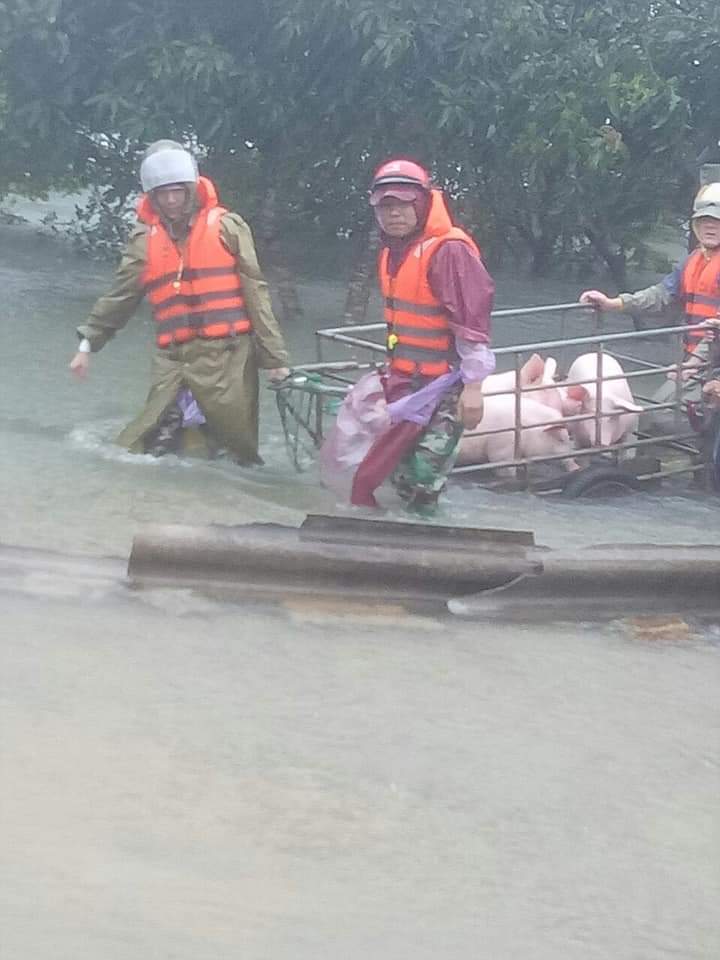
421 475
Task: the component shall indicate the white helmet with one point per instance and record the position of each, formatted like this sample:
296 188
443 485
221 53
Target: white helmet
167 162
707 202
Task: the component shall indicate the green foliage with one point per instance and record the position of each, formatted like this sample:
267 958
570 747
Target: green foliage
100 227
685 43
563 128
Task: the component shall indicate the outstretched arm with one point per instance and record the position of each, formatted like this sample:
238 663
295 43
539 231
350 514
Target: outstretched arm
652 299
113 310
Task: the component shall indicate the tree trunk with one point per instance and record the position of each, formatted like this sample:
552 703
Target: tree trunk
362 279
541 248
282 277
616 262
540 261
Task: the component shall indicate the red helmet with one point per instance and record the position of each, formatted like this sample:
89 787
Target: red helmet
403 172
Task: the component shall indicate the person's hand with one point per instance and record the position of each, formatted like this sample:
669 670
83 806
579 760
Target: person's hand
596 298
689 368
80 364
711 392
279 373
471 405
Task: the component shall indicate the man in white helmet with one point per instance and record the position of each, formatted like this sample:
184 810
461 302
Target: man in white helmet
694 285
214 326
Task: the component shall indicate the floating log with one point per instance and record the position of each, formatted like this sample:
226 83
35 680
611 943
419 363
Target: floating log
330 555
608 578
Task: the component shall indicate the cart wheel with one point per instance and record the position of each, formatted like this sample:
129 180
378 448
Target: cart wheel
601 482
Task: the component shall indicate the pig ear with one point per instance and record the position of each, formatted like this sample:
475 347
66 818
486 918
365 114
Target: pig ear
620 404
577 392
549 371
553 426
532 370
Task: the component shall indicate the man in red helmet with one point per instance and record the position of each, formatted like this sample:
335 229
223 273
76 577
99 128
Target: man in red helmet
437 301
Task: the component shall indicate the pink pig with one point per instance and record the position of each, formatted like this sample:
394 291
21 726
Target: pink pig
535 441
537 373
553 394
617 401
530 374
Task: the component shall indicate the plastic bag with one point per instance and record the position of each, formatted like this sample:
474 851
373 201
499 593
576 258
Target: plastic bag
361 419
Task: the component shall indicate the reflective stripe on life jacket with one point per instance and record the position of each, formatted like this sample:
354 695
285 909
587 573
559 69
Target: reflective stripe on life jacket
419 336
700 291
196 292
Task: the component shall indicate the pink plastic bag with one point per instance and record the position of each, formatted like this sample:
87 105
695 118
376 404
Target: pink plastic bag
362 418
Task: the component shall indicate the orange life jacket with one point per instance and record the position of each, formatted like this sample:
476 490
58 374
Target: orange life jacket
700 291
194 291
419 336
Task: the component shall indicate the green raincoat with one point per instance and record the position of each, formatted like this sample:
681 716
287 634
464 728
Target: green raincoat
223 373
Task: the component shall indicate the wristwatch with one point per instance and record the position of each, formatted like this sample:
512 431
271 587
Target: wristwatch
84 346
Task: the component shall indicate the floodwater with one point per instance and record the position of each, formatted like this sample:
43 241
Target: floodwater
68 487
185 779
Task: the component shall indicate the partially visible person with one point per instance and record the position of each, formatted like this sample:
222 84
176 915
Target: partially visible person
214 326
438 297
694 285
711 393
707 423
